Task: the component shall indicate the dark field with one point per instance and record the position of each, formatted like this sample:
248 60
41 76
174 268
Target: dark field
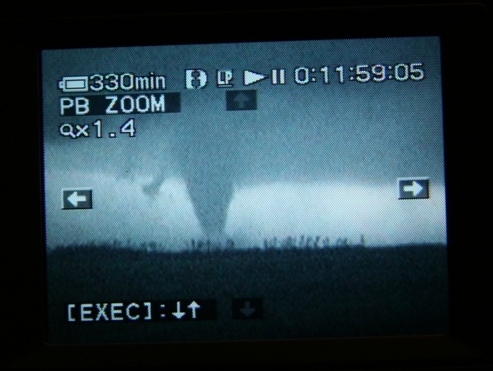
307 293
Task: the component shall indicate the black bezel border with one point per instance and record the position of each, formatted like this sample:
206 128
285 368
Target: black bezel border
465 42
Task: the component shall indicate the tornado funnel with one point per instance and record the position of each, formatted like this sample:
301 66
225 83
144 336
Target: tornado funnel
208 161
210 197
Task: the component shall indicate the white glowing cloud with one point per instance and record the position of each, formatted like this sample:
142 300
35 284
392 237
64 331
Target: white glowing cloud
121 211
338 211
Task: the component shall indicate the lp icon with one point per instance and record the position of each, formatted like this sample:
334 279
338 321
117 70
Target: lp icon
195 78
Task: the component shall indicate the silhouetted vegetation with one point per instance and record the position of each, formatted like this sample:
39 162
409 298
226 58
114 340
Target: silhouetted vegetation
307 292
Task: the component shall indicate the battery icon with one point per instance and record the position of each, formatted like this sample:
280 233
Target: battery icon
74 84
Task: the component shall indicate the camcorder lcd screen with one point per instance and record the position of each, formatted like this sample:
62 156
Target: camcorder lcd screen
244 191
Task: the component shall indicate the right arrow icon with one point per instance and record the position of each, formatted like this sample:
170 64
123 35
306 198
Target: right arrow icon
413 188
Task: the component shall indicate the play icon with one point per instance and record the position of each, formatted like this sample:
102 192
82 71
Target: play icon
251 77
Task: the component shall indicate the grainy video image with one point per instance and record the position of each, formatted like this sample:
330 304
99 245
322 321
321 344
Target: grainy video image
245 191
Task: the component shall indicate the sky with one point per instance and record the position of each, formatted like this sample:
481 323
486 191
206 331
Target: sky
264 211
312 159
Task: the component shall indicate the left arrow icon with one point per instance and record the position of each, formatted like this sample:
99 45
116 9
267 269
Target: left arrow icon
76 199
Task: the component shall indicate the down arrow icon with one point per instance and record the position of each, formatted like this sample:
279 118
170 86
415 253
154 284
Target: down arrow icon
247 310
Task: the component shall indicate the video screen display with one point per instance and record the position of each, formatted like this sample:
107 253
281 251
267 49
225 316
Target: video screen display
244 191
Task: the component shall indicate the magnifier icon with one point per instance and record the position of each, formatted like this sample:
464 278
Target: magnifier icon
67 130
